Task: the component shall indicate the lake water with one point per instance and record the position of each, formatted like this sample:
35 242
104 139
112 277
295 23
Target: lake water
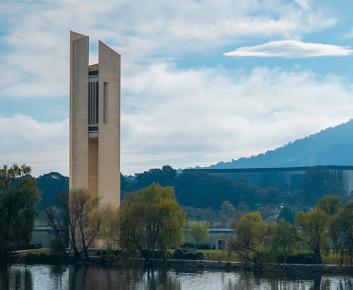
38 277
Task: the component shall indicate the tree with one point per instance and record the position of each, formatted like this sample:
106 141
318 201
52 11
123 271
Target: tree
52 185
206 190
207 215
149 219
252 238
199 231
286 214
227 213
269 195
317 182
164 177
330 204
312 229
58 220
283 240
341 234
18 197
78 222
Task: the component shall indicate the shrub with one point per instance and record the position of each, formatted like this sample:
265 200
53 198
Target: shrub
198 246
54 248
300 258
183 254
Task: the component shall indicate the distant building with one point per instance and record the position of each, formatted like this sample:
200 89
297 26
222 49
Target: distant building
219 237
95 120
284 179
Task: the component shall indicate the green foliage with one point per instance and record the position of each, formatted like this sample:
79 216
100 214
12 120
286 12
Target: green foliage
203 190
329 146
224 217
150 218
286 214
227 213
318 182
341 234
330 204
52 186
55 248
199 231
299 258
283 240
207 215
164 177
261 242
198 246
18 196
187 254
252 238
315 232
77 222
312 228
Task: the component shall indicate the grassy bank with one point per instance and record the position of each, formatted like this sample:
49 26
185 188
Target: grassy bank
219 255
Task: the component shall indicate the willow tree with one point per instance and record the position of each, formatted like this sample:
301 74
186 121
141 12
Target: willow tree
312 230
150 219
341 234
199 231
253 237
18 196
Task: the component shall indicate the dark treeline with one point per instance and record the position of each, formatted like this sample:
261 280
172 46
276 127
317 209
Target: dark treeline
201 190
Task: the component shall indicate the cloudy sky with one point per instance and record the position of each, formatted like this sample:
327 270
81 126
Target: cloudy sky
202 81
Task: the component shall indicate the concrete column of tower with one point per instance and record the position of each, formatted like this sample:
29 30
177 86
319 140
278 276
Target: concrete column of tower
95 120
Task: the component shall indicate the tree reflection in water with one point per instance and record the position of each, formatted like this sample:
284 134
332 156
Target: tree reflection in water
15 278
253 281
81 277
94 277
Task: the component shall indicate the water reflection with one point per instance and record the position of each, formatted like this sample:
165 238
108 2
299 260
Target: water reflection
38 277
15 278
93 277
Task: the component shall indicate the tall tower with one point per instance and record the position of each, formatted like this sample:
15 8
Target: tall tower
95 120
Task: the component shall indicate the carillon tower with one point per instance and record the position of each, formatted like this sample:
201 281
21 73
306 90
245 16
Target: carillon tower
95 120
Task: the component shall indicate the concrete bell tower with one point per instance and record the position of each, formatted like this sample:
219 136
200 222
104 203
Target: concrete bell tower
95 120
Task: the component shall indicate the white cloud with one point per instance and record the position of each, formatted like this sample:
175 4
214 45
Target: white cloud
42 145
194 117
34 47
202 116
182 117
291 49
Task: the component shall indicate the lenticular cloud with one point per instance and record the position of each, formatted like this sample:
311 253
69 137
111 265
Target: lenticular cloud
291 49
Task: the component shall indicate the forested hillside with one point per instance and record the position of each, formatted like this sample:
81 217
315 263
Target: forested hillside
51 186
332 146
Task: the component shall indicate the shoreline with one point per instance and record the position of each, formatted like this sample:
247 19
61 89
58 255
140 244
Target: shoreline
276 268
193 265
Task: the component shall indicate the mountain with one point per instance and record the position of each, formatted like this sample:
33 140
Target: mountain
332 146
51 185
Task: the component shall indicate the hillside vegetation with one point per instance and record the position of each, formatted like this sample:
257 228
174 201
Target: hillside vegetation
332 146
